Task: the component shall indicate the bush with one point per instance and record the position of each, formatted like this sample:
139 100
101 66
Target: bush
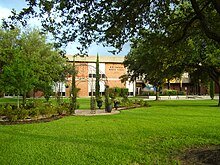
170 93
150 93
47 110
117 91
182 93
30 104
124 92
112 93
34 112
10 113
2 110
22 113
125 102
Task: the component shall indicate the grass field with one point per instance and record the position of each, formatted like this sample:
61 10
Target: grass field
153 135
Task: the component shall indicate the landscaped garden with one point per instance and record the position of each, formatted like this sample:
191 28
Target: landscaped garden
159 134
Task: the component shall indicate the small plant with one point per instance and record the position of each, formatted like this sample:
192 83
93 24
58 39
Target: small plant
34 112
22 113
108 101
99 101
116 103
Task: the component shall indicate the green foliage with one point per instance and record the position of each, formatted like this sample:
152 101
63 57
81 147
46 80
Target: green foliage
118 91
22 113
138 136
112 93
34 112
170 92
125 102
150 93
28 62
108 100
124 92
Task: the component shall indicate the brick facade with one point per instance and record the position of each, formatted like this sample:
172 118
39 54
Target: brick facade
113 69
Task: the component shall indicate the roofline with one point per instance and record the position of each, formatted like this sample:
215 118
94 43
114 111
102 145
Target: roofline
92 59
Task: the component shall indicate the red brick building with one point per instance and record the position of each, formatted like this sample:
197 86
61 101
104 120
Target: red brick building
110 69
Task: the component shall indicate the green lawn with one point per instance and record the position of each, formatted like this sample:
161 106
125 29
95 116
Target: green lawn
153 135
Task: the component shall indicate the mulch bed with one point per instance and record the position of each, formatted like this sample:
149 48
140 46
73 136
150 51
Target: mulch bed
40 120
202 156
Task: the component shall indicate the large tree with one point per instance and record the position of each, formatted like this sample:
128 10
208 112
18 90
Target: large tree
27 62
116 22
151 58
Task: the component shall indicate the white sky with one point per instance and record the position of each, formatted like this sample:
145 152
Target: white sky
7 5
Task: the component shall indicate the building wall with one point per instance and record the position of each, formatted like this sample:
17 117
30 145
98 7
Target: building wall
113 72
110 67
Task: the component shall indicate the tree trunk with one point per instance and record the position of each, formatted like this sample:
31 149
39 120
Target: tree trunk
157 93
218 94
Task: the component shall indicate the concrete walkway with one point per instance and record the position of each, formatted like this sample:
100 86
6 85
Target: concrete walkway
95 112
187 97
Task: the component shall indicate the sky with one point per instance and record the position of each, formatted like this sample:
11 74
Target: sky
5 10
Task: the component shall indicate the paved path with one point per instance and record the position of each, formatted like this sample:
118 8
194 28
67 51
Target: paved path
95 112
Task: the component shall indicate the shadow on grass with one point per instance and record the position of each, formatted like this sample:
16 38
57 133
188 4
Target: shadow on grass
71 139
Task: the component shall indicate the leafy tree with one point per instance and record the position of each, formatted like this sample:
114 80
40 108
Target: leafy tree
18 76
27 62
116 22
150 58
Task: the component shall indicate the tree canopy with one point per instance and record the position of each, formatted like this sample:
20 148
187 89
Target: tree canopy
28 62
114 22
189 26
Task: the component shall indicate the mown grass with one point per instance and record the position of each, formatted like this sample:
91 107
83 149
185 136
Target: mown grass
153 135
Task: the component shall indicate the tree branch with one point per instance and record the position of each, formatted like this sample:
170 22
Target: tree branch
209 33
216 4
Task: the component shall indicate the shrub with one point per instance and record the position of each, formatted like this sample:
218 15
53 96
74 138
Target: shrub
117 91
124 92
149 93
10 113
125 102
47 110
34 112
112 93
2 110
21 113
170 92
30 104
182 93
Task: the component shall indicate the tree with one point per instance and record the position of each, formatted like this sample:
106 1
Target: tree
97 85
116 22
150 58
27 62
18 76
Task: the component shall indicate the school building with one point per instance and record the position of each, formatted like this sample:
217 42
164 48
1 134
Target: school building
110 70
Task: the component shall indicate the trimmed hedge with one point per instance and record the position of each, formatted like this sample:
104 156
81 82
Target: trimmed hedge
118 92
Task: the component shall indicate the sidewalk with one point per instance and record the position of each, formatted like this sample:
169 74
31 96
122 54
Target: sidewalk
187 97
95 112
